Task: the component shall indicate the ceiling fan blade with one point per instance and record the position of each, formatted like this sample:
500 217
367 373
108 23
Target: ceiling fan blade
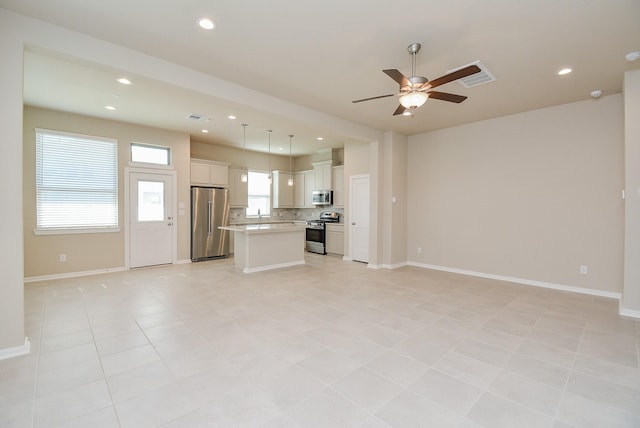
459 74
372 98
444 96
399 110
397 76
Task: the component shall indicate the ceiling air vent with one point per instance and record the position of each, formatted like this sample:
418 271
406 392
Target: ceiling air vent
484 76
194 116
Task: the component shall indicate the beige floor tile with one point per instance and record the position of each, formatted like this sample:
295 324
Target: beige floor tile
128 384
446 391
327 408
529 393
410 410
537 370
493 411
130 359
286 348
156 407
71 404
367 389
397 368
581 412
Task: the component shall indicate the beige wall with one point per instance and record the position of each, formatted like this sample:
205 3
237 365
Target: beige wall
254 160
630 303
356 162
394 243
532 196
12 332
106 249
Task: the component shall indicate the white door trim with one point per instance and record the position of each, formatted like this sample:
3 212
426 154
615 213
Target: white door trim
127 210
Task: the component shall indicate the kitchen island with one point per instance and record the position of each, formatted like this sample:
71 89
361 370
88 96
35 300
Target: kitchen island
259 247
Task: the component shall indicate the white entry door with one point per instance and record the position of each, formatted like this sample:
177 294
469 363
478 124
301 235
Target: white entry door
359 212
150 219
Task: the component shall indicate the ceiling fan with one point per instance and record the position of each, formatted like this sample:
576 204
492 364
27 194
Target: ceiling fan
415 90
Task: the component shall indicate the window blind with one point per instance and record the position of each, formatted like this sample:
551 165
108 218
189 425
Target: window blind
76 181
259 194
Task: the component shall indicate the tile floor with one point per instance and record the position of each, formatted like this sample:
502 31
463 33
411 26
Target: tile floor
328 344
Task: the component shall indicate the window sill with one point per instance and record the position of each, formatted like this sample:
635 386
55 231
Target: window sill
74 231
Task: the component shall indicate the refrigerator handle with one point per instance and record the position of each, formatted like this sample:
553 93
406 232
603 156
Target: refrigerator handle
209 222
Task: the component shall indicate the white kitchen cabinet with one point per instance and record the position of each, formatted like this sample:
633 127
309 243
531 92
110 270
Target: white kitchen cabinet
335 238
282 192
323 175
298 190
309 187
209 173
238 190
338 186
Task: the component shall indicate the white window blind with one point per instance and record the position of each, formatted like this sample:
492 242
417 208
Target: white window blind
76 181
259 194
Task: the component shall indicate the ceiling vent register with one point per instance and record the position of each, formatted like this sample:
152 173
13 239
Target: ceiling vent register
484 76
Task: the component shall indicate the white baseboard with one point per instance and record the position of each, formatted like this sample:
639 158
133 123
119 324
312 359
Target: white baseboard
183 262
562 287
631 313
73 274
393 266
16 351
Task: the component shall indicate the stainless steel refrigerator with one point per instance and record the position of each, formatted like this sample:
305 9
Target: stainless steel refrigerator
209 209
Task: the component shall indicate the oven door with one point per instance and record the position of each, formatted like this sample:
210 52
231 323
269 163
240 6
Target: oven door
315 239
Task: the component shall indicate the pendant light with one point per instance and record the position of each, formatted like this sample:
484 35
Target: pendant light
244 177
290 180
269 131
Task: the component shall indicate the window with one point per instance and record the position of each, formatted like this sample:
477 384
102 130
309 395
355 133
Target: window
76 182
259 190
157 155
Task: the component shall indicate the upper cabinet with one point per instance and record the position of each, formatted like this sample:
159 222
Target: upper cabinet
209 173
282 192
238 189
298 190
338 185
323 175
309 187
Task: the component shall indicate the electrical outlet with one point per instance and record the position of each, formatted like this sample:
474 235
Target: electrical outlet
63 257
584 269
419 250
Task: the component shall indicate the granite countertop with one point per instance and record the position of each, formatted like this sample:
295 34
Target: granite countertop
265 227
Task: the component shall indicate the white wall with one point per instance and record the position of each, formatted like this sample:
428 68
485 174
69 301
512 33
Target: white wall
531 196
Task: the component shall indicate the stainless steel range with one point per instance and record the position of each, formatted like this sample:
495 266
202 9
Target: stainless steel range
316 231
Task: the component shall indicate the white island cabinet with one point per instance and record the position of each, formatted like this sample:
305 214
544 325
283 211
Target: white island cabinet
259 247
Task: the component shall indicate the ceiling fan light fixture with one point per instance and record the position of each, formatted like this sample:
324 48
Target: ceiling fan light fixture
413 99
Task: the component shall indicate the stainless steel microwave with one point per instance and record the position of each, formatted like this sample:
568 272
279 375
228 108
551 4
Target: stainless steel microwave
322 197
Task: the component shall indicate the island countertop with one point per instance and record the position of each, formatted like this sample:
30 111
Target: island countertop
265 227
267 246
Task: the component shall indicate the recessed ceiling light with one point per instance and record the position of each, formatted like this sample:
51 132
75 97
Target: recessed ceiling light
110 107
124 81
320 138
205 131
206 23
232 117
564 71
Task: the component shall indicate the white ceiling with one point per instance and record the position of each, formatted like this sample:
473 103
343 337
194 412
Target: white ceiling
323 55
